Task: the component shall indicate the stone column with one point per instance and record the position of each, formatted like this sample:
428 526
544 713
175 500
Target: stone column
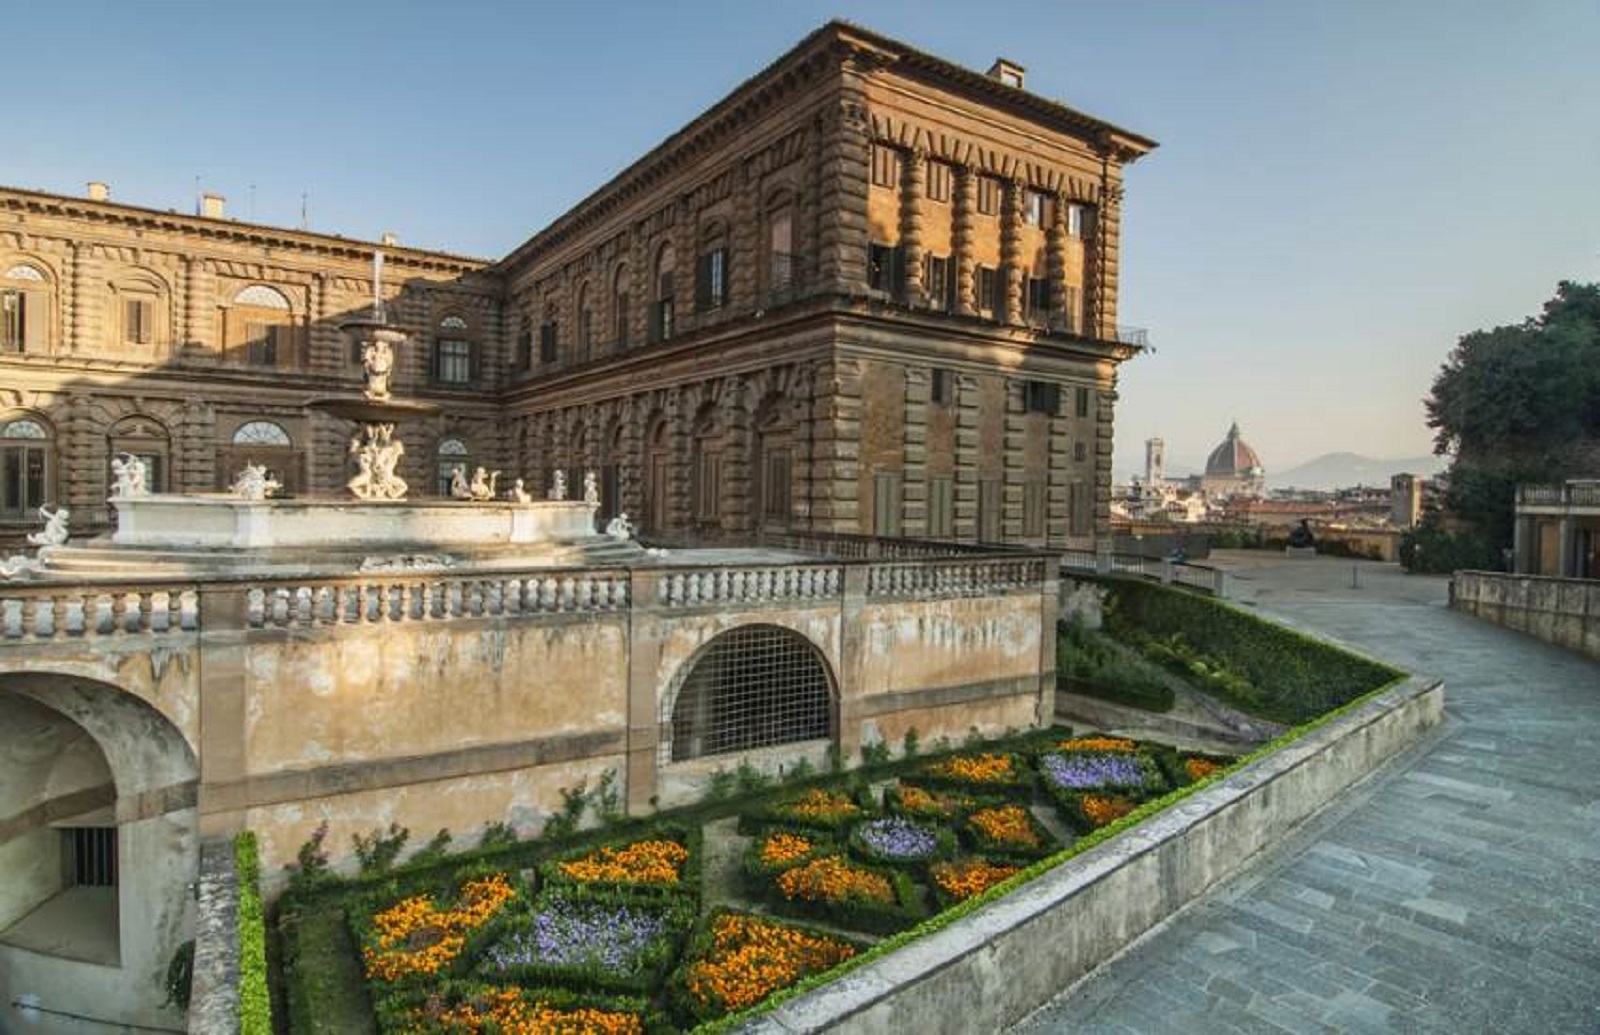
1566 540
224 658
1011 252
914 464
1522 546
199 296
1103 248
966 465
738 504
1059 475
82 309
328 346
1056 266
1016 442
966 205
913 179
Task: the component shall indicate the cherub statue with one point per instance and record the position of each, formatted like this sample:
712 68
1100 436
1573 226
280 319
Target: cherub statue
254 483
558 485
591 487
519 494
129 477
483 484
386 453
377 361
459 489
619 527
55 531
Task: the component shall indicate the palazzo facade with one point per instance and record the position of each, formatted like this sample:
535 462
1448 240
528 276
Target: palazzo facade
869 291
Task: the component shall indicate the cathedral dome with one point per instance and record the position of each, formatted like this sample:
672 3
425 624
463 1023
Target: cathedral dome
1233 458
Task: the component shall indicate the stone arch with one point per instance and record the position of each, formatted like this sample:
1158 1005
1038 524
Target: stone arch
97 795
752 686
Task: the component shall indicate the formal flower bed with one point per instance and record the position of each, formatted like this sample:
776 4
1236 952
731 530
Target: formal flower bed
820 808
909 799
987 771
590 940
418 936
643 862
897 839
467 1009
959 880
1085 770
1009 830
777 849
740 959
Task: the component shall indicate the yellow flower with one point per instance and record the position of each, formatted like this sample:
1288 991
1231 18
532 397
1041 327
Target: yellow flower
751 958
967 877
416 936
643 862
1006 825
1117 744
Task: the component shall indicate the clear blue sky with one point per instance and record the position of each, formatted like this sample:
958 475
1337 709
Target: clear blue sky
1342 187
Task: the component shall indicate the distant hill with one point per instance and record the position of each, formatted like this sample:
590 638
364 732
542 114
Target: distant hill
1342 470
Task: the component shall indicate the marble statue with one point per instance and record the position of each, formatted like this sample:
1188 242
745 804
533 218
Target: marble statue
254 483
377 362
620 528
18 566
483 485
558 485
459 489
377 454
520 494
55 531
128 474
591 487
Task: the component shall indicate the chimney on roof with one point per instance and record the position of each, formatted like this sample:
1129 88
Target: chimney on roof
1008 72
212 206
99 191
389 239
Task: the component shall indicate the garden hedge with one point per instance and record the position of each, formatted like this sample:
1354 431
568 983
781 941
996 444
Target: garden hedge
255 1002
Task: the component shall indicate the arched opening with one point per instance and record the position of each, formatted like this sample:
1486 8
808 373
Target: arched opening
147 441
27 308
455 353
658 476
772 465
662 305
261 442
27 468
454 458
708 443
754 686
260 328
779 265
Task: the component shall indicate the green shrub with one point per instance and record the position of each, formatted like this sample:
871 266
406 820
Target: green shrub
180 975
1264 668
377 851
255 1003
1090 663
1431 549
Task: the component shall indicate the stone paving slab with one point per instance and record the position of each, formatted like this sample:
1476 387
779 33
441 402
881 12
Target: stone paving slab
1456 891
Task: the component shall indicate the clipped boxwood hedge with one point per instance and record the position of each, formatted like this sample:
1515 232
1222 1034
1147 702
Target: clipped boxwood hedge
554 872
857 913
1299 677
910 798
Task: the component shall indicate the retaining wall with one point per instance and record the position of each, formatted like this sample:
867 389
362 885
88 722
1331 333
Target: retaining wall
1565 612
994 966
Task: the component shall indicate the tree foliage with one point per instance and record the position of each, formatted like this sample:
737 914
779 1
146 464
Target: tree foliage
1519 404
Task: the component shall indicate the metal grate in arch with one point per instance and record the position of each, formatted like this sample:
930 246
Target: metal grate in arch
751 687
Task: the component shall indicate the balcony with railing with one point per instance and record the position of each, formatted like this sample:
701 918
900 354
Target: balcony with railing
1139 336
1581 494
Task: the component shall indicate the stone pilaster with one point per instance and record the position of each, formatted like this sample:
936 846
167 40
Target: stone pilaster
328 347
1011 254
966 465
1055 247
962 231
808 214
844 175
1058 471
199 308
738 504
78 435
1015 462
915 463
83 309
1102 406
744 242
913 188
684 254
1104 247
680 508
836 460
195 448
641 291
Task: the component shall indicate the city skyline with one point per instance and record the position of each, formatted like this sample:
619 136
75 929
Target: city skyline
1338 196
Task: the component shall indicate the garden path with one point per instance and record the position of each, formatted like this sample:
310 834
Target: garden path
1456 891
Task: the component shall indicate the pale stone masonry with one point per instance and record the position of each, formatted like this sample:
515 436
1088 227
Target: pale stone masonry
741 331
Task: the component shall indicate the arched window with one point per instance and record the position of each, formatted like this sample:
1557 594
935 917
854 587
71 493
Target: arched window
780 251
661 308
658 476
753 686
27 468
455 353
711 268
453 456
259 328
705 468
25 309
621 309
147 441
261 442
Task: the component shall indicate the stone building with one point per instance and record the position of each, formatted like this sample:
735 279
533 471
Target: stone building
869 291
1232 469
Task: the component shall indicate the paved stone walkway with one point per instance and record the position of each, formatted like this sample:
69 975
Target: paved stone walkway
1456 891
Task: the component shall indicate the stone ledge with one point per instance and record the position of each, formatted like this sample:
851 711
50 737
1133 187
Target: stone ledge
987 970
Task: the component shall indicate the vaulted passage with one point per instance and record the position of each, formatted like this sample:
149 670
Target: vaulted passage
752 687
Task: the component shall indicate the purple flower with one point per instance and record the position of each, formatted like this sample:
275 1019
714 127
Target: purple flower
1083 771
613 936
899 838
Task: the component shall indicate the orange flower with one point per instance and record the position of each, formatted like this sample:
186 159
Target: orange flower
1006 825
831 879
985 768
967 877
415 936
1118 744
783 848
1200 768
1102 810
820 804
751 958
917 799
643 862
509 1013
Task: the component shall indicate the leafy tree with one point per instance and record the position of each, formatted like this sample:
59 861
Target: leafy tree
1519 403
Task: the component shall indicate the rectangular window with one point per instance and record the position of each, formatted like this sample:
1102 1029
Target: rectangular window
525 347
886 503
610 491
708 488
941 506
622 319
775 485
1081 402
91 856
941 283
137 316
711 281
885 166
943 391
662 314
1080 451
1070 304
1079 221
261 344
988 299
453 362
1033 509
939 177
13 321
988 195
547 342
22 482
1038 299
1080 509
586 333
886 270
1036 208
1041 397
989 510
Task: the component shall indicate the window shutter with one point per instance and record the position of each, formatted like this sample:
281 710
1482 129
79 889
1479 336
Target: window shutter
702 283
474 360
